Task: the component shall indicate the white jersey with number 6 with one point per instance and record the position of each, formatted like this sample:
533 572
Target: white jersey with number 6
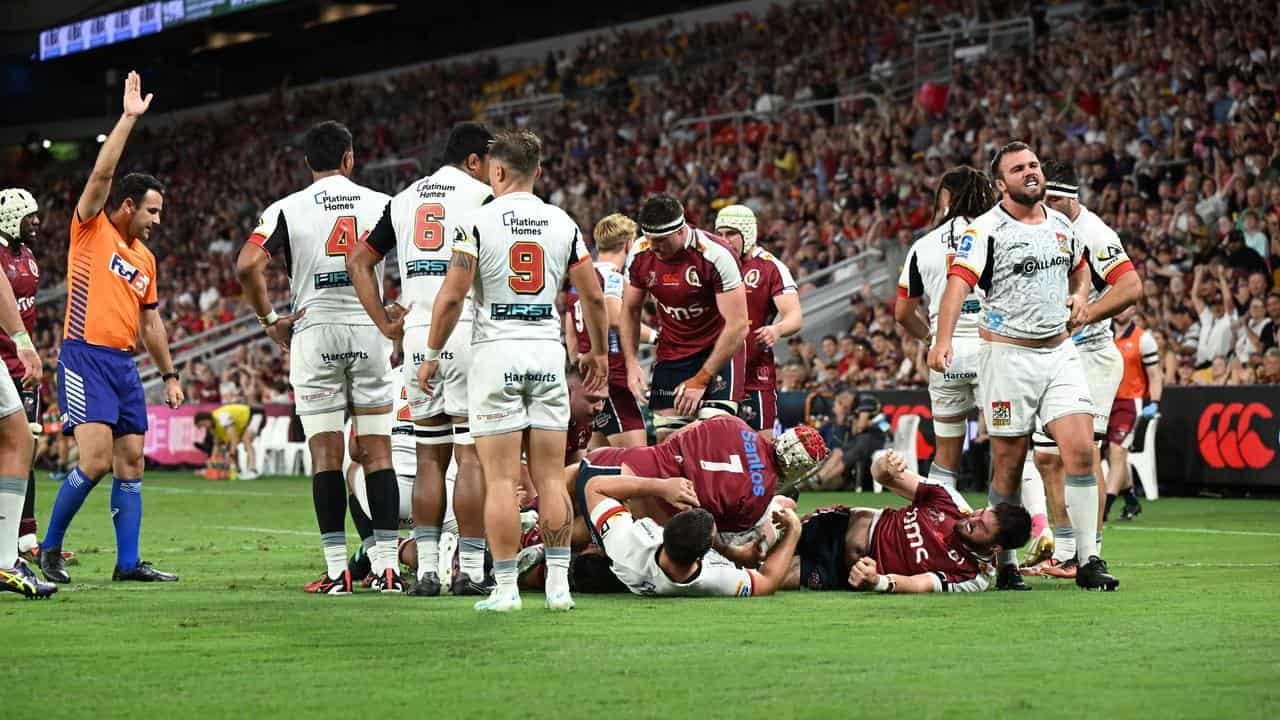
523 249
314 229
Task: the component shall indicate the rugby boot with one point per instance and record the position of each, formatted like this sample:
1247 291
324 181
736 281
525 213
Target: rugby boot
330 586
1041 549
53 566
427 586
144 572
19 579
1093 575
1008 578
1065 569
464 585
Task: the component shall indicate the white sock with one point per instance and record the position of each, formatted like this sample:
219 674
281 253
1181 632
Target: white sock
1082 508
557 570
427 539
13 492
504 573
471 557
385 551
1033 494
942 475
335 553
1064 543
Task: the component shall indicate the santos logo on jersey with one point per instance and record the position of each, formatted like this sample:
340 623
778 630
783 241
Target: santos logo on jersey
132 275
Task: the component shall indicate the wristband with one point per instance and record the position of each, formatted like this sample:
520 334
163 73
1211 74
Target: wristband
169 376
653 339
269 319
431 355
699 380
882 584
22 340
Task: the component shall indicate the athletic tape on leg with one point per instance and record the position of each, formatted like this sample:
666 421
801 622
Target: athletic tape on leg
313 425
377 424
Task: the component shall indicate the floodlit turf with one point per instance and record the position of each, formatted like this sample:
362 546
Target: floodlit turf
1194 632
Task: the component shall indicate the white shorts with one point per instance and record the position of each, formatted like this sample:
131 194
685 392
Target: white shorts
10 400
954 393
450 396
518 384
1017 385
331 366
1103 370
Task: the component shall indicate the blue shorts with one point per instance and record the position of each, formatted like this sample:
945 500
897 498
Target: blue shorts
100 385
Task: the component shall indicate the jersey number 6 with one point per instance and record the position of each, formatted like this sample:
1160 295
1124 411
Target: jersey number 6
428 232
528 274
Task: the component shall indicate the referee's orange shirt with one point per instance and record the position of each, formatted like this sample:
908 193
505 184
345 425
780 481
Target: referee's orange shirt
109 282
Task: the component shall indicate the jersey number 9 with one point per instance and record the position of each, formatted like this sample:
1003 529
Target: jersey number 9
528 273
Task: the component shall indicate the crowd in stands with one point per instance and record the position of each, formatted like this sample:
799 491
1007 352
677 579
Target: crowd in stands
1171 119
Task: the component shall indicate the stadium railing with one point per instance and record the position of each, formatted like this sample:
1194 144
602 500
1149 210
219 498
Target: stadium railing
206 345
826 308
739 118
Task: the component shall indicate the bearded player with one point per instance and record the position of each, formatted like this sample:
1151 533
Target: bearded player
696 282
620 423
937 543
771 294
963 194
1114 286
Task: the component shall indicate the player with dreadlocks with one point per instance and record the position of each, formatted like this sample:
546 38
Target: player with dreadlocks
963 194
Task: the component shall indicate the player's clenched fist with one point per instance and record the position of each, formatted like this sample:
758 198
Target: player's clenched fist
863 575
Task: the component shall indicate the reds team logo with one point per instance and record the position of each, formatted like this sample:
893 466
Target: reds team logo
691 277
1227 439
752 278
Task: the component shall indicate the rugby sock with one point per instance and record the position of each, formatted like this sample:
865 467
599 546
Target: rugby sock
942 475
126 514
328 492
384 499
363 524
367 544
12 491
1006 557
504 572
1099 543
557 569
1064 543
1130 499
471 557
335 553
1033 500
1082 508
427 538
1106 512
385 554
75 488
28 524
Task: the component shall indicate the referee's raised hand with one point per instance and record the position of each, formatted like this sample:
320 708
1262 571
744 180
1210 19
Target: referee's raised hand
134 103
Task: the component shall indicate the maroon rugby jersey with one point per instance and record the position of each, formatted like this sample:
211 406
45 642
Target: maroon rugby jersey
731 467
685 290
19 265
576 442
611 282
766 278
920 538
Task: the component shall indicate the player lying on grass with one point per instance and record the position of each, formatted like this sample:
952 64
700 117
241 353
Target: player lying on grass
677 558
937 543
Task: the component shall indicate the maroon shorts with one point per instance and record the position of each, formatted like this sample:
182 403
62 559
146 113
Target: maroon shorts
724 391
1124 415
621 412
759 409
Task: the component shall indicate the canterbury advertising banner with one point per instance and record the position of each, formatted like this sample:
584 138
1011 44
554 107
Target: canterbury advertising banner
897 403
1219 436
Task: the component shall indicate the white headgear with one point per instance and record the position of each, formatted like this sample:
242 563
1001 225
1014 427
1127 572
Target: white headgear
740 218
15 204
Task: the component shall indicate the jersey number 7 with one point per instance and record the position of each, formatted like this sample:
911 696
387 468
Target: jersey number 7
528 273
342 236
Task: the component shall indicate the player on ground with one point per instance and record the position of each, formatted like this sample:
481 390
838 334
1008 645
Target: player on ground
1114 286
16 443
677 559
771 293
337 356
620 424
413 224
963 194
516 251
1028 260
233 427
111 301
937 543
695 280
1142 379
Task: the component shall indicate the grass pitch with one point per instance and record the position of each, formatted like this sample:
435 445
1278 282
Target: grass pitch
1193 632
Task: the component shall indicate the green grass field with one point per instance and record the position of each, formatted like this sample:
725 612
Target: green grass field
1193 632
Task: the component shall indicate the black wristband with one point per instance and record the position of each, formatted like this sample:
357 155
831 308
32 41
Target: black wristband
169 376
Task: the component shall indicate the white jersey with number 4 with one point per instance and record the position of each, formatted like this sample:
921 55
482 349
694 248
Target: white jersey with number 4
315 228
523 249
925 274
415 223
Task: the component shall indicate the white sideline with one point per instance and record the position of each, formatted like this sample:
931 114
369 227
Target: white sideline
268 531
153 487
1196 531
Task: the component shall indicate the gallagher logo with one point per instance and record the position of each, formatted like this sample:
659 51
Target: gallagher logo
1227 439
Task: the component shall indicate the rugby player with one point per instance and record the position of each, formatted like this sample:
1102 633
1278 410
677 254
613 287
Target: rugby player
338 358
234 427
111 302
1032 266
413 223
1142 381
937 543
16 443
771 294
620 424
963 194
696 282
515 251
1114 286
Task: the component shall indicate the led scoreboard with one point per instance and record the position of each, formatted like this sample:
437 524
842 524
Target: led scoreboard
135 22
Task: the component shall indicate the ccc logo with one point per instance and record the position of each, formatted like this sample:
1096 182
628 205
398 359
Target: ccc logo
1226 439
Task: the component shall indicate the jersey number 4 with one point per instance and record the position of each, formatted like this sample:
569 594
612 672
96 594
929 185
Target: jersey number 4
528 272
428 230
343 236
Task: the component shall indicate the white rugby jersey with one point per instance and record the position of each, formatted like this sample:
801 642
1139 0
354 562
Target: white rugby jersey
633 545
1023 270
315 228
414 223
523 249
1107 262
924 273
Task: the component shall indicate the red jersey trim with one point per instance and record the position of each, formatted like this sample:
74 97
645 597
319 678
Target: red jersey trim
365 242
963 272
906 294
605 517
1079 264
259 239
1118 271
